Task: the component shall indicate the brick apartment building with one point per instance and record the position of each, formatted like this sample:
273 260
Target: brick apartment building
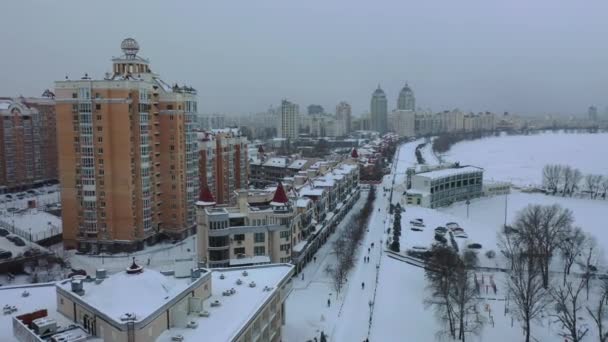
128 157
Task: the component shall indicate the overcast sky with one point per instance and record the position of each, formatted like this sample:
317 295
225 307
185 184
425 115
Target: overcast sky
522 56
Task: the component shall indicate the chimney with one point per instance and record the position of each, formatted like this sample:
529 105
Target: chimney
242 201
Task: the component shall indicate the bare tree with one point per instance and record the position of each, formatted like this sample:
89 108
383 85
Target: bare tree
577 177
541 229
567 175
568 307
440 276
593 184
604 186
552 175
599 312
590 259
525 287
571 247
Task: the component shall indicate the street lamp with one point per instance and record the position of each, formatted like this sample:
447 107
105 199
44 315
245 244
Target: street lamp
468 203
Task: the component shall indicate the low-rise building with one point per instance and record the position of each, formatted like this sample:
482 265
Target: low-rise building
441 187
192 304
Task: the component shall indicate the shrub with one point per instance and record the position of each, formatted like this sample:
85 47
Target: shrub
490 254
474 246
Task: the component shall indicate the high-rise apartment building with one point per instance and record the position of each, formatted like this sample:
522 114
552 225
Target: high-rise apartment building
223 163
592 113
289 120
406 100
379 114
403 122
343 119
28 144
128 156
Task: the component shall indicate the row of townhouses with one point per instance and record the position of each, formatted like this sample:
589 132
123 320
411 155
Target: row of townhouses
284 223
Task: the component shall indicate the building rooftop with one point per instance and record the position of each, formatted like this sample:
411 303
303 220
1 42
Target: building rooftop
226 321
276 161
123 293
297 164
449 172
41 296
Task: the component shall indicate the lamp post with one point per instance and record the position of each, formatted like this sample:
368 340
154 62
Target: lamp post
30 234
468 203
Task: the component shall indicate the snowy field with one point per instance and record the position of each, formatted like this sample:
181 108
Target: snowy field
520 159
487 214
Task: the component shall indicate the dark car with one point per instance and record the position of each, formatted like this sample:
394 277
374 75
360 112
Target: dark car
9 196
5 254
18 241
76 271
4 232
11 238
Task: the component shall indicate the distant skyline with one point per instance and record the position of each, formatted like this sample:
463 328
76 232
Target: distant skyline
525 57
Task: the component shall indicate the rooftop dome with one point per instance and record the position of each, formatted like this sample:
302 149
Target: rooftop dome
406 89
379 91
129 47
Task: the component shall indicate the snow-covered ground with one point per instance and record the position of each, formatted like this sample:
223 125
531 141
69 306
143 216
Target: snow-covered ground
487 214
520 158
157 257
396 290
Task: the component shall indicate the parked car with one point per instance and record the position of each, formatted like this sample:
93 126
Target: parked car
5 254
4 232
18 241
9 196
33 192
76 271
452 225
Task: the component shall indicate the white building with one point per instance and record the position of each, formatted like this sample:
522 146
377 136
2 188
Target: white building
288 123
343 119
441 187
403 122
406 100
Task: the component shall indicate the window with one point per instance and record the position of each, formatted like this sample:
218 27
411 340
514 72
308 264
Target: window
97 106
239 237
170 107
259 237
259 250
98 117
74 95
285 234
240 250
99 128
284 247
100 139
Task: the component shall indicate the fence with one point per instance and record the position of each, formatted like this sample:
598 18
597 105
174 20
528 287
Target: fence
50 232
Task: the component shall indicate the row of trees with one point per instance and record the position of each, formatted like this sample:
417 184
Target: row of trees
568 180
538 234
348 239
395 246
453 292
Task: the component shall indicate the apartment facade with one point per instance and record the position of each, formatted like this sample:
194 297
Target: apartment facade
289 120
261 229
406 99
403 122
128 157
28 144
283 224
223 163
343 119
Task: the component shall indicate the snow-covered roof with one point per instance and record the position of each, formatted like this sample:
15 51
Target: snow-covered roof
276 161
41 296
297 164
236 311
449 172
302 202
256 259
120 293
308 191
299 246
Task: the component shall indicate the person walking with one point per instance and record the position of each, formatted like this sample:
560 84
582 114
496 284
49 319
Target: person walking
314 259
328 302
362 285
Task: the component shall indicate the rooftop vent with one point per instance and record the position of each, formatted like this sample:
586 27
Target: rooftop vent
101 273
77 286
